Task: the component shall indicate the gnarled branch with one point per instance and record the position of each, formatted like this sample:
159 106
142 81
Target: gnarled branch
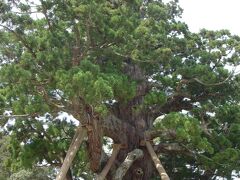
172 148
170 133
131 157
215 84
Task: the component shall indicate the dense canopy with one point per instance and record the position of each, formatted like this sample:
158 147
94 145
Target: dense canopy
123 68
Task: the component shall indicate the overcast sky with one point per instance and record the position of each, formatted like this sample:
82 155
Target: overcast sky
212 14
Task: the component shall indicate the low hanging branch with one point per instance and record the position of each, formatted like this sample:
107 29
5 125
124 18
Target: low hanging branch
218 83
72 151
20 38
123 168
157 162
116 149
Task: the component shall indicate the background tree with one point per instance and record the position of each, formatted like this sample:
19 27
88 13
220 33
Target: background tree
123 68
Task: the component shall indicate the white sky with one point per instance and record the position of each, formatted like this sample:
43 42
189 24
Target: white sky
212 14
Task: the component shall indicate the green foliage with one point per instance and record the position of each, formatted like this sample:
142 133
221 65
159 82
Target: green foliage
76 54
122 86
4 145
41 142
158 98
36 174
188 131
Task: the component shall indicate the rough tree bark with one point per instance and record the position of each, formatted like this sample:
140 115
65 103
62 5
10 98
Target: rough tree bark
126 126
125 133
95 143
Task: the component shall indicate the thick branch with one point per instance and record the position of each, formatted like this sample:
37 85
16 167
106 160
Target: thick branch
76 142
175 147
215 84
170 133
157 162
123 168
172 148
177 104
102 175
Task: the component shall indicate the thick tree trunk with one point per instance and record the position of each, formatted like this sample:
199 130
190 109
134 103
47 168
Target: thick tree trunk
127 126
130 135
142 169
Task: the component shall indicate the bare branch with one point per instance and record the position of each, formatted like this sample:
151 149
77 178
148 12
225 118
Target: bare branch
168 146
212 84
175 148
170 133
105 45
216 84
